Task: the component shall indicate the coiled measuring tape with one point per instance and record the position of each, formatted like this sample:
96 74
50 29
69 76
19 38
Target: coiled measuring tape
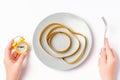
52 33
19 45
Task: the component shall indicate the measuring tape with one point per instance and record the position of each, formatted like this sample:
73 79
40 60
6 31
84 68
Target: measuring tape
52 33
19 45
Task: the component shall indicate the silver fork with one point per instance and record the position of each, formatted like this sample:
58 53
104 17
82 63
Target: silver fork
106 27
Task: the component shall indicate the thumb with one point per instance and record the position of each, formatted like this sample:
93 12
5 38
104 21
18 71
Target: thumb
21 58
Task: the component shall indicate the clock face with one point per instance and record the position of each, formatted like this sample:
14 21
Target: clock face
21 47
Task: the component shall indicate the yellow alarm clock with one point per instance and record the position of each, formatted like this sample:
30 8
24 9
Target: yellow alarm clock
20 46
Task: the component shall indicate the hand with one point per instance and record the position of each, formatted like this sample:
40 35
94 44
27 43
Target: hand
13 62
107 62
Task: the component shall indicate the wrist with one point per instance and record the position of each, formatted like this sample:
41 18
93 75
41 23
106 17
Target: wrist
9 77
108 78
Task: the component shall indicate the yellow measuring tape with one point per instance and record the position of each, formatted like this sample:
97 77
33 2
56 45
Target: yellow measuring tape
49 39
52 33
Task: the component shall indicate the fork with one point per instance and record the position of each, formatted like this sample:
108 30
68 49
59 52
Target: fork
106 28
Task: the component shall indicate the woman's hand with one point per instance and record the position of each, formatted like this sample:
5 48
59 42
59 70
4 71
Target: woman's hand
13 62
107 62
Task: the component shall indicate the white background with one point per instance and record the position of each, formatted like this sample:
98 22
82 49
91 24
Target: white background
20 17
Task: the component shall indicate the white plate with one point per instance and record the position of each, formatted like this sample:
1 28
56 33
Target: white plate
75 23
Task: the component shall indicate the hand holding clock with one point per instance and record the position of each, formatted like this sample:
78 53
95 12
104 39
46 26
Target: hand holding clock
13 62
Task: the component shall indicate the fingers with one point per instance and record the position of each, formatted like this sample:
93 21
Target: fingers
107 44
8 49
109 53
22 57
103 57
15 56
114 55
